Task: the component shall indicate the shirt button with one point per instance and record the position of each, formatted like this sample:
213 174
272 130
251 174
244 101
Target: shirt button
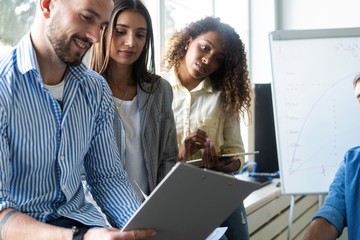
61 157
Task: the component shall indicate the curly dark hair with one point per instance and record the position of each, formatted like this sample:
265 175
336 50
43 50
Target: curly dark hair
232 77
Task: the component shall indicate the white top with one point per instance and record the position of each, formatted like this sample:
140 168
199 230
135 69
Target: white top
57 91
134 160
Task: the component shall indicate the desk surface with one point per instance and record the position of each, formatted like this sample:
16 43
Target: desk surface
262 196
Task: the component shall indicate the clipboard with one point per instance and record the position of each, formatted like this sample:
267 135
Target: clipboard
190 203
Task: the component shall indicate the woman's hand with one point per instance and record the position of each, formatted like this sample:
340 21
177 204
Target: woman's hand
223 164
192 143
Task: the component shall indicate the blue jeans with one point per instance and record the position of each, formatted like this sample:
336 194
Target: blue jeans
237 225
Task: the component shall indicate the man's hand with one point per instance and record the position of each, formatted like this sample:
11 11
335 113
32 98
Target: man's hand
116 234
15 225
321 229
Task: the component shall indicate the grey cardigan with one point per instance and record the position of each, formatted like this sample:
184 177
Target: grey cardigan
158 131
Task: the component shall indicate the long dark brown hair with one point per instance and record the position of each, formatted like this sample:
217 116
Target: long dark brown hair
143 70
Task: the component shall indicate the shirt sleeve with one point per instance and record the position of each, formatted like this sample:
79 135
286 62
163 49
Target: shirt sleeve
334 207
170 153
5 167
232 137
105 174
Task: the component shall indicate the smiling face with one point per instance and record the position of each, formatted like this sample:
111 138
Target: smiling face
204 56
129 37
75 25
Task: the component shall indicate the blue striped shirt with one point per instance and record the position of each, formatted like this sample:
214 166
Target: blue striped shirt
43 148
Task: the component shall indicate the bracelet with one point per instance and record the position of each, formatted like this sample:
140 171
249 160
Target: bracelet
78 233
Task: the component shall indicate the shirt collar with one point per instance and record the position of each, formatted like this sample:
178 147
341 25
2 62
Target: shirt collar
27 61
25 55
173 78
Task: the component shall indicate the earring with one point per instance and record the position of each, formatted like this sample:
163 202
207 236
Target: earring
186 47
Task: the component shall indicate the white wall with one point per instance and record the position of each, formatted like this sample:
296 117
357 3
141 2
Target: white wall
262 21
313 14
267 16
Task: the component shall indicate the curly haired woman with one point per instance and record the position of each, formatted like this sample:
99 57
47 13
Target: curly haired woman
207 67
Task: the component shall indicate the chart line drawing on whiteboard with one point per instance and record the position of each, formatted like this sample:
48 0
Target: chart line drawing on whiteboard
316 114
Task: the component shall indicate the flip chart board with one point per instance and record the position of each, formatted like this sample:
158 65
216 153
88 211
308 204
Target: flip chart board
317 117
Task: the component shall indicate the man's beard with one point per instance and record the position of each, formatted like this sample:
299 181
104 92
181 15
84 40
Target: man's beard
62 46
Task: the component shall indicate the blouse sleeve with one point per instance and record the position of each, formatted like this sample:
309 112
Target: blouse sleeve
232 137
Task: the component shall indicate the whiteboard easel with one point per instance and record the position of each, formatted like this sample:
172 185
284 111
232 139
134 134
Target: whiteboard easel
313 97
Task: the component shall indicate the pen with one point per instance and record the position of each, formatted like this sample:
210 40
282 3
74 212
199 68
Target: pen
249 153
225 155
239 154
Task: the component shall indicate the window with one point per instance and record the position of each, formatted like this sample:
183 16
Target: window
171 15
16 17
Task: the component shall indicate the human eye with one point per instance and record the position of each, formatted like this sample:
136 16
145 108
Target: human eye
141 35
120 31
87 18
204 48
